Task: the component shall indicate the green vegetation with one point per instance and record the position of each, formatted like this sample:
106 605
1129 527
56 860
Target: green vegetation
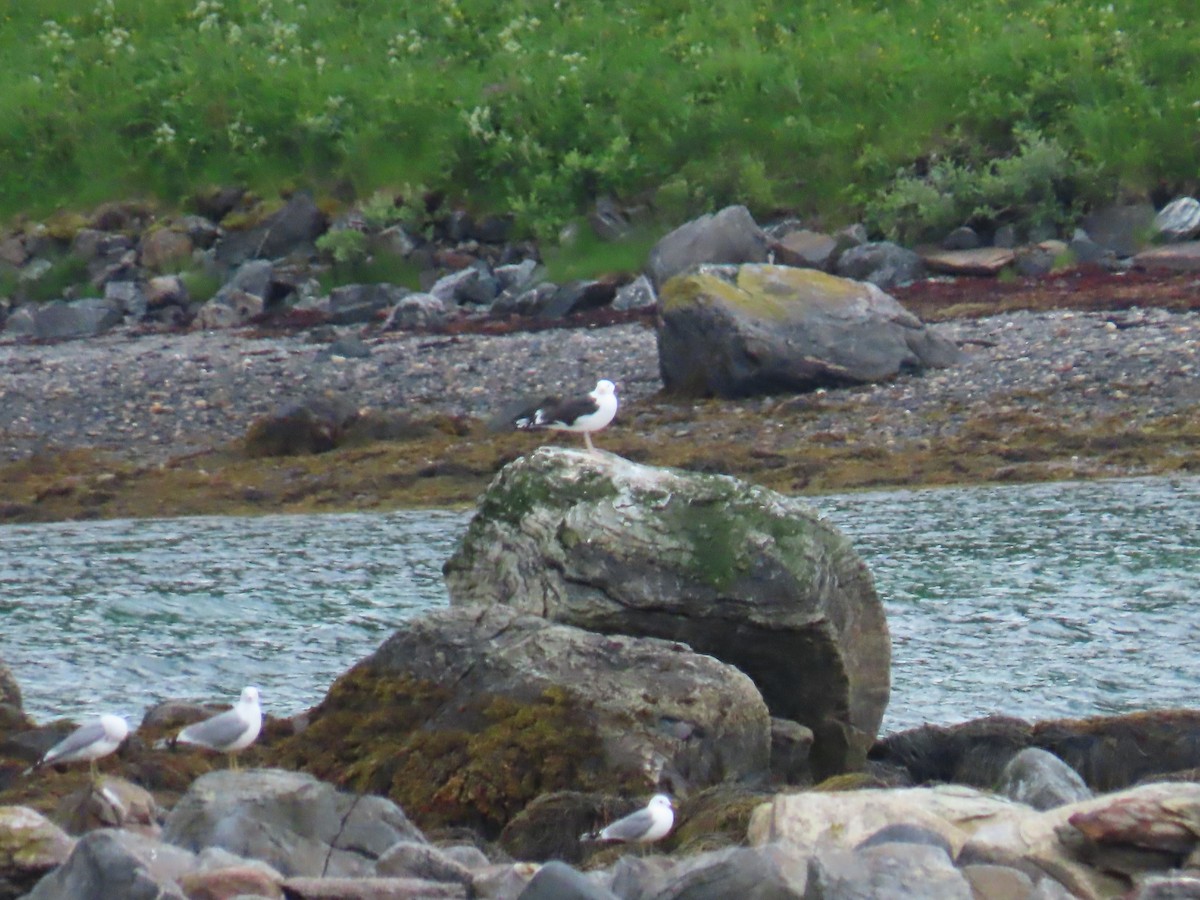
536 107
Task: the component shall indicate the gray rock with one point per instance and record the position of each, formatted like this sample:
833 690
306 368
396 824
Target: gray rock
738 332
732 569
1172 886
10 690
627 695
165 291
30 846
993 882
1005 237
129 296
516 275
394 240
417 859
525 301
370 889
1085 250
297 824
809 249
293 228
1042 780
886 872
60 320
771 872
110 863
791 744
851 236
638 294
882 263
577 296
962 238
1123 229
558 881
342 348
1179 220
353 304
1181 257
240 299
728 236
473 285
416 311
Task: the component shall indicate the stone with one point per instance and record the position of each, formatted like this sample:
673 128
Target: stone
559 881
808 249
354 304
1122 228
230 882
10 690
1041 780
1179 220
525 301
1182 257
417 859
973 753
371 889
165 291
290 820
230 309
847 819
884 873
13 250
490 708
1173 886
771 872
791 744
882 263
638 294
130 297
292 228
30 846
473 285
115 863
992 882
317 425
416 311
1084 250
59 320
728 236
164 248
578 296
751 577
738 332
112 803
516 275
981 261
961 238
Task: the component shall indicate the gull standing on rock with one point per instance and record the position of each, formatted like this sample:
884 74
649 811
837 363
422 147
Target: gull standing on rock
91 741
651 823
583 414
230 731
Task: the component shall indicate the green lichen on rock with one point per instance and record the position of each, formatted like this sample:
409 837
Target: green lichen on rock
519 490
478 767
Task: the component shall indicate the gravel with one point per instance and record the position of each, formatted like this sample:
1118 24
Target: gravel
152 397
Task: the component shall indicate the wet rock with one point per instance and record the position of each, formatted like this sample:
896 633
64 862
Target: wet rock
973 753
488 708
1041 780
982 261
115 863
551 826
734 570
311 426
737 332
290 820
30 846
729 236
1179 220
559 881
882 263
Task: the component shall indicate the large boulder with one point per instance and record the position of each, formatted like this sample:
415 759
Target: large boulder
728 236
757 579
290 820
737 331
115 863
30 846
466 715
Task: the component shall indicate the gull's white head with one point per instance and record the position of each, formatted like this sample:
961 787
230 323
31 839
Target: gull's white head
249 697
604 388
661 801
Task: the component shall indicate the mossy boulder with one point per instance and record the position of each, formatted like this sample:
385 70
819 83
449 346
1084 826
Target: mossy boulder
466 715
738 331
757 579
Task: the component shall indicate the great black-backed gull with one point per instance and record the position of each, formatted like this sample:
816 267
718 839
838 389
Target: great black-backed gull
651 823
90 741
584 415
230 731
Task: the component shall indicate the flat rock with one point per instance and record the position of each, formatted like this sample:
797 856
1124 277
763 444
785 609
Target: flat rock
371 889
1182 257
980 261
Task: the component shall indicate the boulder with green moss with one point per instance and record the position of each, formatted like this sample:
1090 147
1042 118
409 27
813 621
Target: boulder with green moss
466 715
738 331
755 578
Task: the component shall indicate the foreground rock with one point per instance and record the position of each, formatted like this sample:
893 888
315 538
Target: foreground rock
30 846
738 331
466 715
747 575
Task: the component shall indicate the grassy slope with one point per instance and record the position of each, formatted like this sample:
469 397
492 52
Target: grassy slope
537 106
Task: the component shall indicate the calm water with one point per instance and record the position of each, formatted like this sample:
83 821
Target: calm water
1040 601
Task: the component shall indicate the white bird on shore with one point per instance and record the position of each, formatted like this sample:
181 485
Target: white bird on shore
651 823
229 731
91 741
583 414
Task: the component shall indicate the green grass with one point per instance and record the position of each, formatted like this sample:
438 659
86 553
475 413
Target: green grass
539 106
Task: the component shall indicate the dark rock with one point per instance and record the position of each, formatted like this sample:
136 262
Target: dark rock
809 249
907 833
114 863
558 881
494 229
1084 250
1122 229
473 284
1184 257
1041 780
882 263
551 826
637 294
1005 236
773 872
738 332
59 320
311 426
129 295
751 577
973 753
217 202
516 276
729 236
353 304
578 296
962 238
292 229
887 872
791 744
290 820
525 301
489 709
